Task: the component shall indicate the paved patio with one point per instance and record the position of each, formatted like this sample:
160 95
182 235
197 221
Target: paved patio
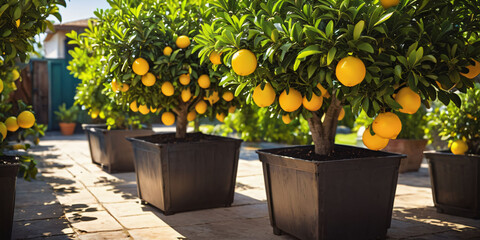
74 199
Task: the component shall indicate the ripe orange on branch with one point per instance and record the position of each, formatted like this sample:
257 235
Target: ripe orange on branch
25 119
215 58
265 97
204 81
244 62
182 41
387 125
148 79
350 71
473 70
389 3
409 100
314 104
291 101
184 79
374 142
168 118
140 66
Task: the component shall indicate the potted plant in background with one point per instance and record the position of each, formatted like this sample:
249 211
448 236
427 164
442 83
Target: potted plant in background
283 54
20 22
455 174
67 118
107 143
150 49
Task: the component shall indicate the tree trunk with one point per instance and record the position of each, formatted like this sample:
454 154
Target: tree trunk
323 133
182 122
197 125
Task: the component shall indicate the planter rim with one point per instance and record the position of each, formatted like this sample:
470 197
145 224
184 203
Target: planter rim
87 126
448 153
104 130
390 155
408 139
10 158
160 145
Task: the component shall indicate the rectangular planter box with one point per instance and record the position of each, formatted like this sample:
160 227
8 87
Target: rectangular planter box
184 176
111 150
94 141
8 180
335 199
455 183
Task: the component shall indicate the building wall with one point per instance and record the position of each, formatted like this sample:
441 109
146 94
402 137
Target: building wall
55 46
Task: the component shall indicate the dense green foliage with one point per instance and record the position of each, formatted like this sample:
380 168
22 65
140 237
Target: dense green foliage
67 115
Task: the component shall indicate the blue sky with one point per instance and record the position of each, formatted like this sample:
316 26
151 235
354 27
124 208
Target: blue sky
80 9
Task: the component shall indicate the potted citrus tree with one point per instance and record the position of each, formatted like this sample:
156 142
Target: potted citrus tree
107 143
454 173
311 58
150 49
19 23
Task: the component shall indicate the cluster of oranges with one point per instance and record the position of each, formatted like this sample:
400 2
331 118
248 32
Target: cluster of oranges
25 119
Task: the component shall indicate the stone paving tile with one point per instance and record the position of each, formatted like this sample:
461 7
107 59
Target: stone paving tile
163 233
41 228
124 209
23 199
82 196
117 235
109 194
249 168
147 220
89 222
35 212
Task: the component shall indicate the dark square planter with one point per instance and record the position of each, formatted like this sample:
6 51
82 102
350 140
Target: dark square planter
94 141
184 176
334 199
455 183
8 179
111 150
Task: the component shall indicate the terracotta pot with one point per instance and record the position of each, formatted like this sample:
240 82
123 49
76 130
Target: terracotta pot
410 147
67 128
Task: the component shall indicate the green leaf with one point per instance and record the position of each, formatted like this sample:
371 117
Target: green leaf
357 31
240 88
3 8
383 19
310 50
365 47
329 29
331 55
398 71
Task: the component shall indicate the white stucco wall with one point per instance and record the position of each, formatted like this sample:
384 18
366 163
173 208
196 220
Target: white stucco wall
55 46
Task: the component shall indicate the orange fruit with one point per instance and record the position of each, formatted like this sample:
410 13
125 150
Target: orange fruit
215 58
265 97
201 107
94 113
140 66
314 104
220 117
143 109
17 23
153 110
184 79
213 98
1 86
244 62
168 118
324 91
125 87
182 41
387 125
389 3
227 96
25 119
291 101
350 71
204 81
191 116
409 100
133 106
374 142
286 119
459 147
232 109
186 95
3 130
148 79
473 71
16 74
167 89
114 85
11 124
341 115
167 51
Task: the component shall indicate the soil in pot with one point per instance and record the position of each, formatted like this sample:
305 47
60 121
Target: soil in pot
8 178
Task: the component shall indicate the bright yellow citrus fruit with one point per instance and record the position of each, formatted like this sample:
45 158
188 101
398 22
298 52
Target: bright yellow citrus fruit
182 41
140 66
125 87
191 116
167 89
213 98
3 130
25 119
232 109
17 23
244 62
314 104
204 81
215 58
291 101
324 91
143 109
168 118
148 79
95 113
387 125
1 86
286 119
350 71
389 3
133 106
341 115
459 147
153 110
227 96
220 117
11 124
167 51
201 107
186 95
114 85
265 97
473 70
374 142
184 79
16 74
409 100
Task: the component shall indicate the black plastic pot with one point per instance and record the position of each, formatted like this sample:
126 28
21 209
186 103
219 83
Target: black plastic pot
183 176
455 183
334 199
95 142
8 178
111 150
